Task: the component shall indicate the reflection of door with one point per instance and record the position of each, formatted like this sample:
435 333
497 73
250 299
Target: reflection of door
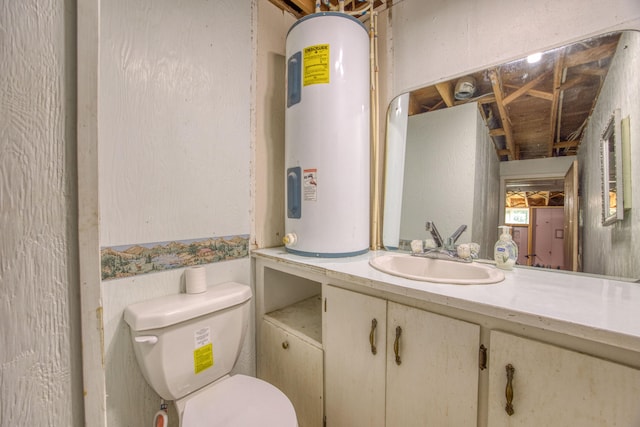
571 217
548 237
521 238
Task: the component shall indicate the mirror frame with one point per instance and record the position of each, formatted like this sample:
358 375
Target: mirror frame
611 154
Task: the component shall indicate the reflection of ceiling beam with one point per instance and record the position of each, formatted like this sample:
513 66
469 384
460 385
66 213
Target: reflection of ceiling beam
573 82
534 92
590 55
525 88
504 116
486 99
566 144
445 90
554 128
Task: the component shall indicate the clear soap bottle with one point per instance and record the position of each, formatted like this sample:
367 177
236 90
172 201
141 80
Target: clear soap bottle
505 252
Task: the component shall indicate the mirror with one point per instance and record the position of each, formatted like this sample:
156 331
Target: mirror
455 149
611 169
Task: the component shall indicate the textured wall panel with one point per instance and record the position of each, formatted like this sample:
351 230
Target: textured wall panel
40 363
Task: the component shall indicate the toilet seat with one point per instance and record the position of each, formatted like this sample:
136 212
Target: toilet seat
239 401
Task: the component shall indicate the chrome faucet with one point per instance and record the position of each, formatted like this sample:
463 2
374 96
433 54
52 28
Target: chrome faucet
431 227
451 241
443 250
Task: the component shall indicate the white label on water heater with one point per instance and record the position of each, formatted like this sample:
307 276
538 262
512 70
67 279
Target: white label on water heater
310 185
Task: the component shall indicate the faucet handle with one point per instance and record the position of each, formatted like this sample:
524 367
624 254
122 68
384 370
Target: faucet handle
431 227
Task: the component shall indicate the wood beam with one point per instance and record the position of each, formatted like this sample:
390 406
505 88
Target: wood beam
445 89
535 93
525 88
555 103
504 116
282 4
486 99
590 55
566 144
307 6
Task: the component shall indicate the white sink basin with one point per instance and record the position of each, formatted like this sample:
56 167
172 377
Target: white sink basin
436 270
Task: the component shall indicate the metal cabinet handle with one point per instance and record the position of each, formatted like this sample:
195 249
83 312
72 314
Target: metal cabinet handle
396 345
372 336
509 390
482 357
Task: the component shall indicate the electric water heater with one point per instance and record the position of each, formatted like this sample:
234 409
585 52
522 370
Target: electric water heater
327 136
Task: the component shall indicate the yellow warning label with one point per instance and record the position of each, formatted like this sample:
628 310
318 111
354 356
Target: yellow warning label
203 358
316 64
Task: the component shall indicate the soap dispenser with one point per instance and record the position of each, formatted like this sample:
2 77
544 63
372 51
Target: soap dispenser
505 251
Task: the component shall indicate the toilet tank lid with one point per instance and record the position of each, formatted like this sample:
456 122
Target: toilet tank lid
172 309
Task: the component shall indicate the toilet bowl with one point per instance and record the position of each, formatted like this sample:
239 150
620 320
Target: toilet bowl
186 346
240 401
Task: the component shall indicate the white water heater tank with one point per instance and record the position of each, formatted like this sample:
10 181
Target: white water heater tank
327 136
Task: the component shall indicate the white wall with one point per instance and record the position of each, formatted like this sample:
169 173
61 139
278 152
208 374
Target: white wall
174 153
40 350
486 191
273 25
439 171
441 39
606 249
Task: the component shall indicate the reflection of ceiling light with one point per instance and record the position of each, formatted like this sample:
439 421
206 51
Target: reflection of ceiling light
534 57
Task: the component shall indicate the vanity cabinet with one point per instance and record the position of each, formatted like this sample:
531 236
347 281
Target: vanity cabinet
555 387
388 364
328 333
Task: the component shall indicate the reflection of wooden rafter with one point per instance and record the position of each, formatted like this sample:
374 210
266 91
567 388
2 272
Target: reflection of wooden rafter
555 102
590 55
525 199
529 89
445 90
504 116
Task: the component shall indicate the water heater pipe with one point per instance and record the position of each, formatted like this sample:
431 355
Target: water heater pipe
375 233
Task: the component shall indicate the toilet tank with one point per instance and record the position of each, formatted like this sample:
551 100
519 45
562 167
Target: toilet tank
184 342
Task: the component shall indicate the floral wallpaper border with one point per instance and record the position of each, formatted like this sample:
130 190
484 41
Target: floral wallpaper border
142 258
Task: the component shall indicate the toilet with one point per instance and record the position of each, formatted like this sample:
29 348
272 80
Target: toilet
186 346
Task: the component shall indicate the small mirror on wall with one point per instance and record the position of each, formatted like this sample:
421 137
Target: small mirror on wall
611 167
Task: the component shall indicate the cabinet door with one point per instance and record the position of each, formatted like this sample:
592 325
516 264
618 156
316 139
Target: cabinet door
295 367
552 386
434 379
354 373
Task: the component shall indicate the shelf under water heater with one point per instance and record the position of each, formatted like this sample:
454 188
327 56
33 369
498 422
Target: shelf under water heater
327 145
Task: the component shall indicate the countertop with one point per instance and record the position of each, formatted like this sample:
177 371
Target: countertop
599 309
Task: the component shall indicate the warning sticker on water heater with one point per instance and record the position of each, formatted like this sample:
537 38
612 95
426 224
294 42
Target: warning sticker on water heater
310 185
203 353
316 64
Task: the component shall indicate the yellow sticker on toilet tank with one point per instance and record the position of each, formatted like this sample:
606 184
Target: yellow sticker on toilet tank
202 358
316 64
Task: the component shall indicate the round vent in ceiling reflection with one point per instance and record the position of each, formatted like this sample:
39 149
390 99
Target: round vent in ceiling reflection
465 88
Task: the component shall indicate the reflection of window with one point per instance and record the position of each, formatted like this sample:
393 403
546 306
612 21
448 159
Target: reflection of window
516 216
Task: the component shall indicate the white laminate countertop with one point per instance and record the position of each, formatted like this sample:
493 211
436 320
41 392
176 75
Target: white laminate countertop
595 308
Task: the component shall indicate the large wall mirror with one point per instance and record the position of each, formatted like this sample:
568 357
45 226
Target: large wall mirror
520 143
